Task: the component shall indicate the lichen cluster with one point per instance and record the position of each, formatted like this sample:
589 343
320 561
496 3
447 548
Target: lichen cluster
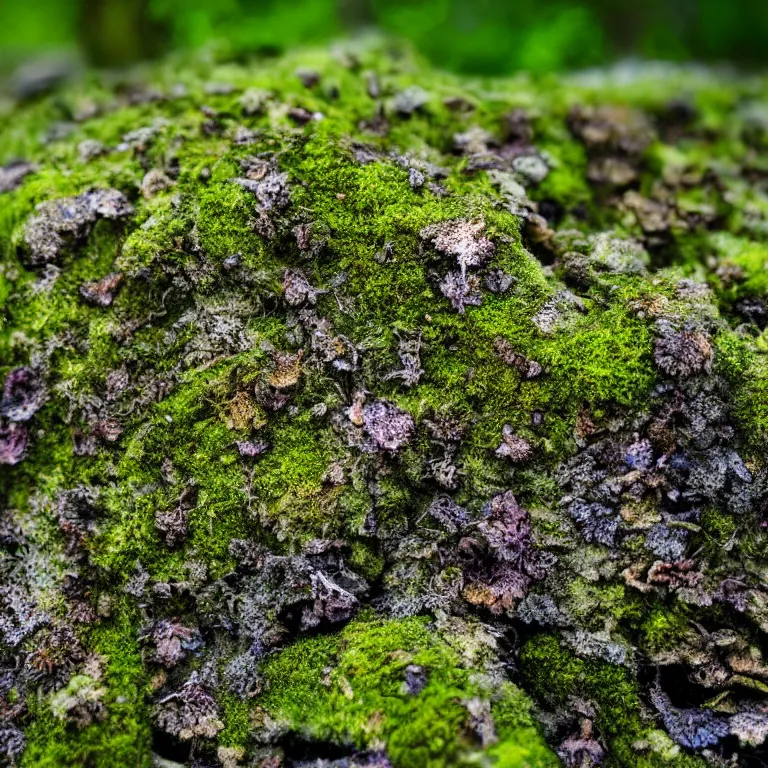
354 414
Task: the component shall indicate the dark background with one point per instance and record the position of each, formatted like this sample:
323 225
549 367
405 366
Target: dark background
474 36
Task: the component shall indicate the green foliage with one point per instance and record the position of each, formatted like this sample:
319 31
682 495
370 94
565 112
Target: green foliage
485 36
747 263
594 604
664 628
746 365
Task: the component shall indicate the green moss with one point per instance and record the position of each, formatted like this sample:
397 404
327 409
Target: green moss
664 628
566 181
746 366
720 526
290 480
237 722
366 561
123 737
604 358
160 235
223 218
594 604
520 744
349 689
555 673
749 258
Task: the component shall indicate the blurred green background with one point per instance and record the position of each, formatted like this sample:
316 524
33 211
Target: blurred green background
474 36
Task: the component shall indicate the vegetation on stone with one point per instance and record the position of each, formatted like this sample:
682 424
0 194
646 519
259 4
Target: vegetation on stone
355 414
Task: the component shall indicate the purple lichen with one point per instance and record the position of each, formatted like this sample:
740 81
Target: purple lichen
513 447
691 728
23 394
681 354
388 426
13 443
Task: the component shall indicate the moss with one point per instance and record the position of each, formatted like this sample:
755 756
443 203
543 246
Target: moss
594 604
664 628
555 673
189 431
520 742
566 182
605 358
746 366
749 259
719 526
366 561
123 738
350 689
238 722
286 488
222 223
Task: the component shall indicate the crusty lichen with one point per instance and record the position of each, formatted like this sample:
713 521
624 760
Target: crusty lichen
357 414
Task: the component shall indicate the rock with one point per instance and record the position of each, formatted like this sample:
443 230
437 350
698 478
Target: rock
385 424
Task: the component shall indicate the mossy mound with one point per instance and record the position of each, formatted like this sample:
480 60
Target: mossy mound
358 415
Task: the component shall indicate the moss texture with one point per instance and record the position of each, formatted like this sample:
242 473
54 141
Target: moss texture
355 414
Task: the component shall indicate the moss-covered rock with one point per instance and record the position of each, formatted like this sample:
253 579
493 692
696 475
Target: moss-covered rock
355 414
